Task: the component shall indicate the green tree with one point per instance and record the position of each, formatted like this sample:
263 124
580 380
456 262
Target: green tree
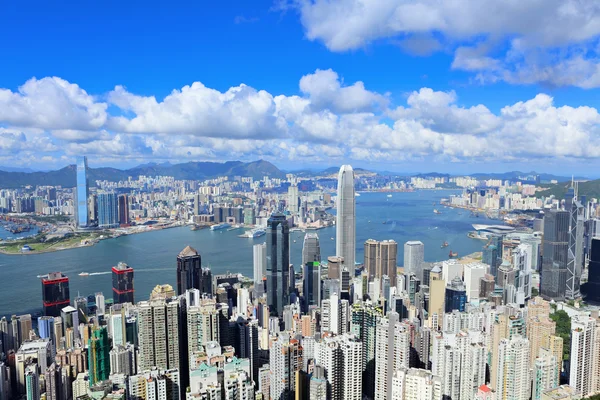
563 329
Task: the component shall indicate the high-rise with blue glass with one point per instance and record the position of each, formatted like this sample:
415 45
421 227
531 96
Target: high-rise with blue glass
81 194
108 210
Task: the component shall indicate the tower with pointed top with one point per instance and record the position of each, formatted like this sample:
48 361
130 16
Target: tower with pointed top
345 245
189 270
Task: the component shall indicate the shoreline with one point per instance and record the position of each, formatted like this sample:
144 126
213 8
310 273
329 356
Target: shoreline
77 245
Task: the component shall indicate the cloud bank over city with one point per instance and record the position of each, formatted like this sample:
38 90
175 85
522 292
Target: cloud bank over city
328 121
552 42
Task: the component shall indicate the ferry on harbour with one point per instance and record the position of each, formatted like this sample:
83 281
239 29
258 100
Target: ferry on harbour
254 233
218 227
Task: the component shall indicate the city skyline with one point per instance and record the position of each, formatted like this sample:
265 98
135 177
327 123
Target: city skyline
454 92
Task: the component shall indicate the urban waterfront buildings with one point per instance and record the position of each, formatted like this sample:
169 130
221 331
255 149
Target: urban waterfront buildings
278 263
259 252
108 210
381 260
414 256
345 230
55 293
122 283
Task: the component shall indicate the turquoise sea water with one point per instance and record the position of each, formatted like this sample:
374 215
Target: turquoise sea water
408 216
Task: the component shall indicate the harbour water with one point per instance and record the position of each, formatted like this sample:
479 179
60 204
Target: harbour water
407 216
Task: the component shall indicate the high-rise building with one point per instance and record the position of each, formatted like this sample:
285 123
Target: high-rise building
414 256
381 260
576 243
259 252
53 380
81 194
345 245
456 296
363 324
341 357
55 293
293 201
159 334
545 373
122 282
123 209
46 328
591 289
278 263
285 359
189 270
416 384
513 375
98 355
108 210
122 360
311 249
32 382
474 272
555 249
583 337
393 352
311 284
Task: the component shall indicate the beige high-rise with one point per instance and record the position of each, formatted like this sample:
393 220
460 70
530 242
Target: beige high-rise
381 259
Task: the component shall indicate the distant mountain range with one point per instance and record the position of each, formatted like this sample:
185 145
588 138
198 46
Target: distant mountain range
590 189
15 177
191 170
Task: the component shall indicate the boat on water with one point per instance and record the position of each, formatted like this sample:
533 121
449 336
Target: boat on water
389 195
218 227
332 239
356 194
84 274
445 244
436 211
452 254
254 233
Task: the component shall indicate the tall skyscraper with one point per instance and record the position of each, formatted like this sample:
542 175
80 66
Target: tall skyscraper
108 210
159 334
311 249
293 202
122 281
81 194
98 355
513 375
555 255
364 320
285 359
189 270
414 256
345 229
46 328
55 293
259 252
278 263
381 260
123 209
474 272
311 285
583 338
591 289
575 252
392 353
456 296
341 357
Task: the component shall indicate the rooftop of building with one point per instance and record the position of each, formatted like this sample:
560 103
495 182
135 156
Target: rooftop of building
188 251
561 392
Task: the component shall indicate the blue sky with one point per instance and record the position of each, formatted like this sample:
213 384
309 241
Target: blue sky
417 86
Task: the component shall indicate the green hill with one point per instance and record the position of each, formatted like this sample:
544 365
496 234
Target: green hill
589 189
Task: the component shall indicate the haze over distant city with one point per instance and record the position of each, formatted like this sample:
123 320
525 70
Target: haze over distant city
303 84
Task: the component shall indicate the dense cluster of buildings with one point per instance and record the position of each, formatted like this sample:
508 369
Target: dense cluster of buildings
473 328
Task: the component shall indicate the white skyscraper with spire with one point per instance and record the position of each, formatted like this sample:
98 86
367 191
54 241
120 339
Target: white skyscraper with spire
346 217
